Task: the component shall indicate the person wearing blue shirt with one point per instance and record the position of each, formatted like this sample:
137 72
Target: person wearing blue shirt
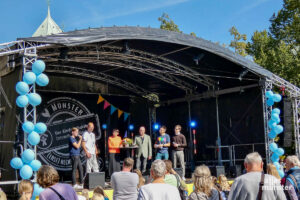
162 144
75 157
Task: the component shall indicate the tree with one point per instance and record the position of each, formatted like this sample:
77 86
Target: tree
168 24
239 42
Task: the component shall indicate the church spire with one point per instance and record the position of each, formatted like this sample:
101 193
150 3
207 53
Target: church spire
48 27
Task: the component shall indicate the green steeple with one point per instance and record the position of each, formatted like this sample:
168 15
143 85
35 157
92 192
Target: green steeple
48 27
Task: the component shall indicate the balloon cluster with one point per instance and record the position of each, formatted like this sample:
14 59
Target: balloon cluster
276 129
27 164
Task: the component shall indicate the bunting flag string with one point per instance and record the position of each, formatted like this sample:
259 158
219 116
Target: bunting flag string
112 108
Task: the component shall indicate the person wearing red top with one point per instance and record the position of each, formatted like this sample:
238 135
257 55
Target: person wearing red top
114 144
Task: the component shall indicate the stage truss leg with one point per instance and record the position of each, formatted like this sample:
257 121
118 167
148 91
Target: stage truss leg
29 57
296 118
267 116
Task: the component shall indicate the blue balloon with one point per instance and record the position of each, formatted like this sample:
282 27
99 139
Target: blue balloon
276 110
274 158
42 80
40 128
35 165
29 78
272 124
281 173
26 172
28 127
38 67
16 163
273 146
22 101
276 97
277 165
279 151
22 88
37 189
270 102
34 99
269 94
275 117
27 156
272 135
34 138
278 129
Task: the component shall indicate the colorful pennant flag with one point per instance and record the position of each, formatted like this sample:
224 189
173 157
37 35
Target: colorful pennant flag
112 109
106 105
126 115
100 99
120 112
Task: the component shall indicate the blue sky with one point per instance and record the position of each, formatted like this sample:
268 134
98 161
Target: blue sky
209 19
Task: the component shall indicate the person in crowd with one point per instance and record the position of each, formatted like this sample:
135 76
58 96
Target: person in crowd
114 144
100 192
170 177
271 169
125 183
2 195
85 193
25 189
144 150
48 178
248 186
162 144
75 146
203 184
141 178
179 143
224 186
158 189
292 177
90 149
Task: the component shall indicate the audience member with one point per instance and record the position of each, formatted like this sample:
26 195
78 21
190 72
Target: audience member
255 184
158 190
224 186
25 189
2 195
170 178
271 169
292 178
85 193
203 184
48 178
141 178
125 183
99 190
98 197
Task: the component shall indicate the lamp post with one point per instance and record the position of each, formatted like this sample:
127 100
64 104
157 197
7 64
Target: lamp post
104 127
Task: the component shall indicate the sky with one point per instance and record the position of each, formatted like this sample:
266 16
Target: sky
209 19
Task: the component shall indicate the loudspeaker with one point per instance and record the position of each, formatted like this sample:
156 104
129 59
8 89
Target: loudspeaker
235 171
94 179
178 171
217 170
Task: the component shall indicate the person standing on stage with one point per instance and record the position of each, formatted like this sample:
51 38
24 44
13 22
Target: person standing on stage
162 144
90 149
114 144
179 143
144 150
75 157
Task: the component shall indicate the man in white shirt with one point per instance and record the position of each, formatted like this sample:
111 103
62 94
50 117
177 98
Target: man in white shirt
90 149
158 189
247 186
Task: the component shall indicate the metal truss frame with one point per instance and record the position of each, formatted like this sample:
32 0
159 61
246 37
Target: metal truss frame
267 116
296 117
92 74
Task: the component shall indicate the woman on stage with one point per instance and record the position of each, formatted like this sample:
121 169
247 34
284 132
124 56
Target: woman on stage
114 144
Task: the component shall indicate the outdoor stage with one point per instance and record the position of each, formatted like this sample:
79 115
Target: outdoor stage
121 76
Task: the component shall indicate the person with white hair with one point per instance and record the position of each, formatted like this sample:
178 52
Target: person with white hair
291 180
255 184
158 189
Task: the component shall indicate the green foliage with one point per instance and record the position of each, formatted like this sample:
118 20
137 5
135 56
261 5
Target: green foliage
239 42
167 23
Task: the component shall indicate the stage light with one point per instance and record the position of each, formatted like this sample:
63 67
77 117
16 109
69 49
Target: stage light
193 124
131 127
156 126
104 126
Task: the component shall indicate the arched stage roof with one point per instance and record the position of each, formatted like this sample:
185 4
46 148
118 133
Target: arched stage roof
147 60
